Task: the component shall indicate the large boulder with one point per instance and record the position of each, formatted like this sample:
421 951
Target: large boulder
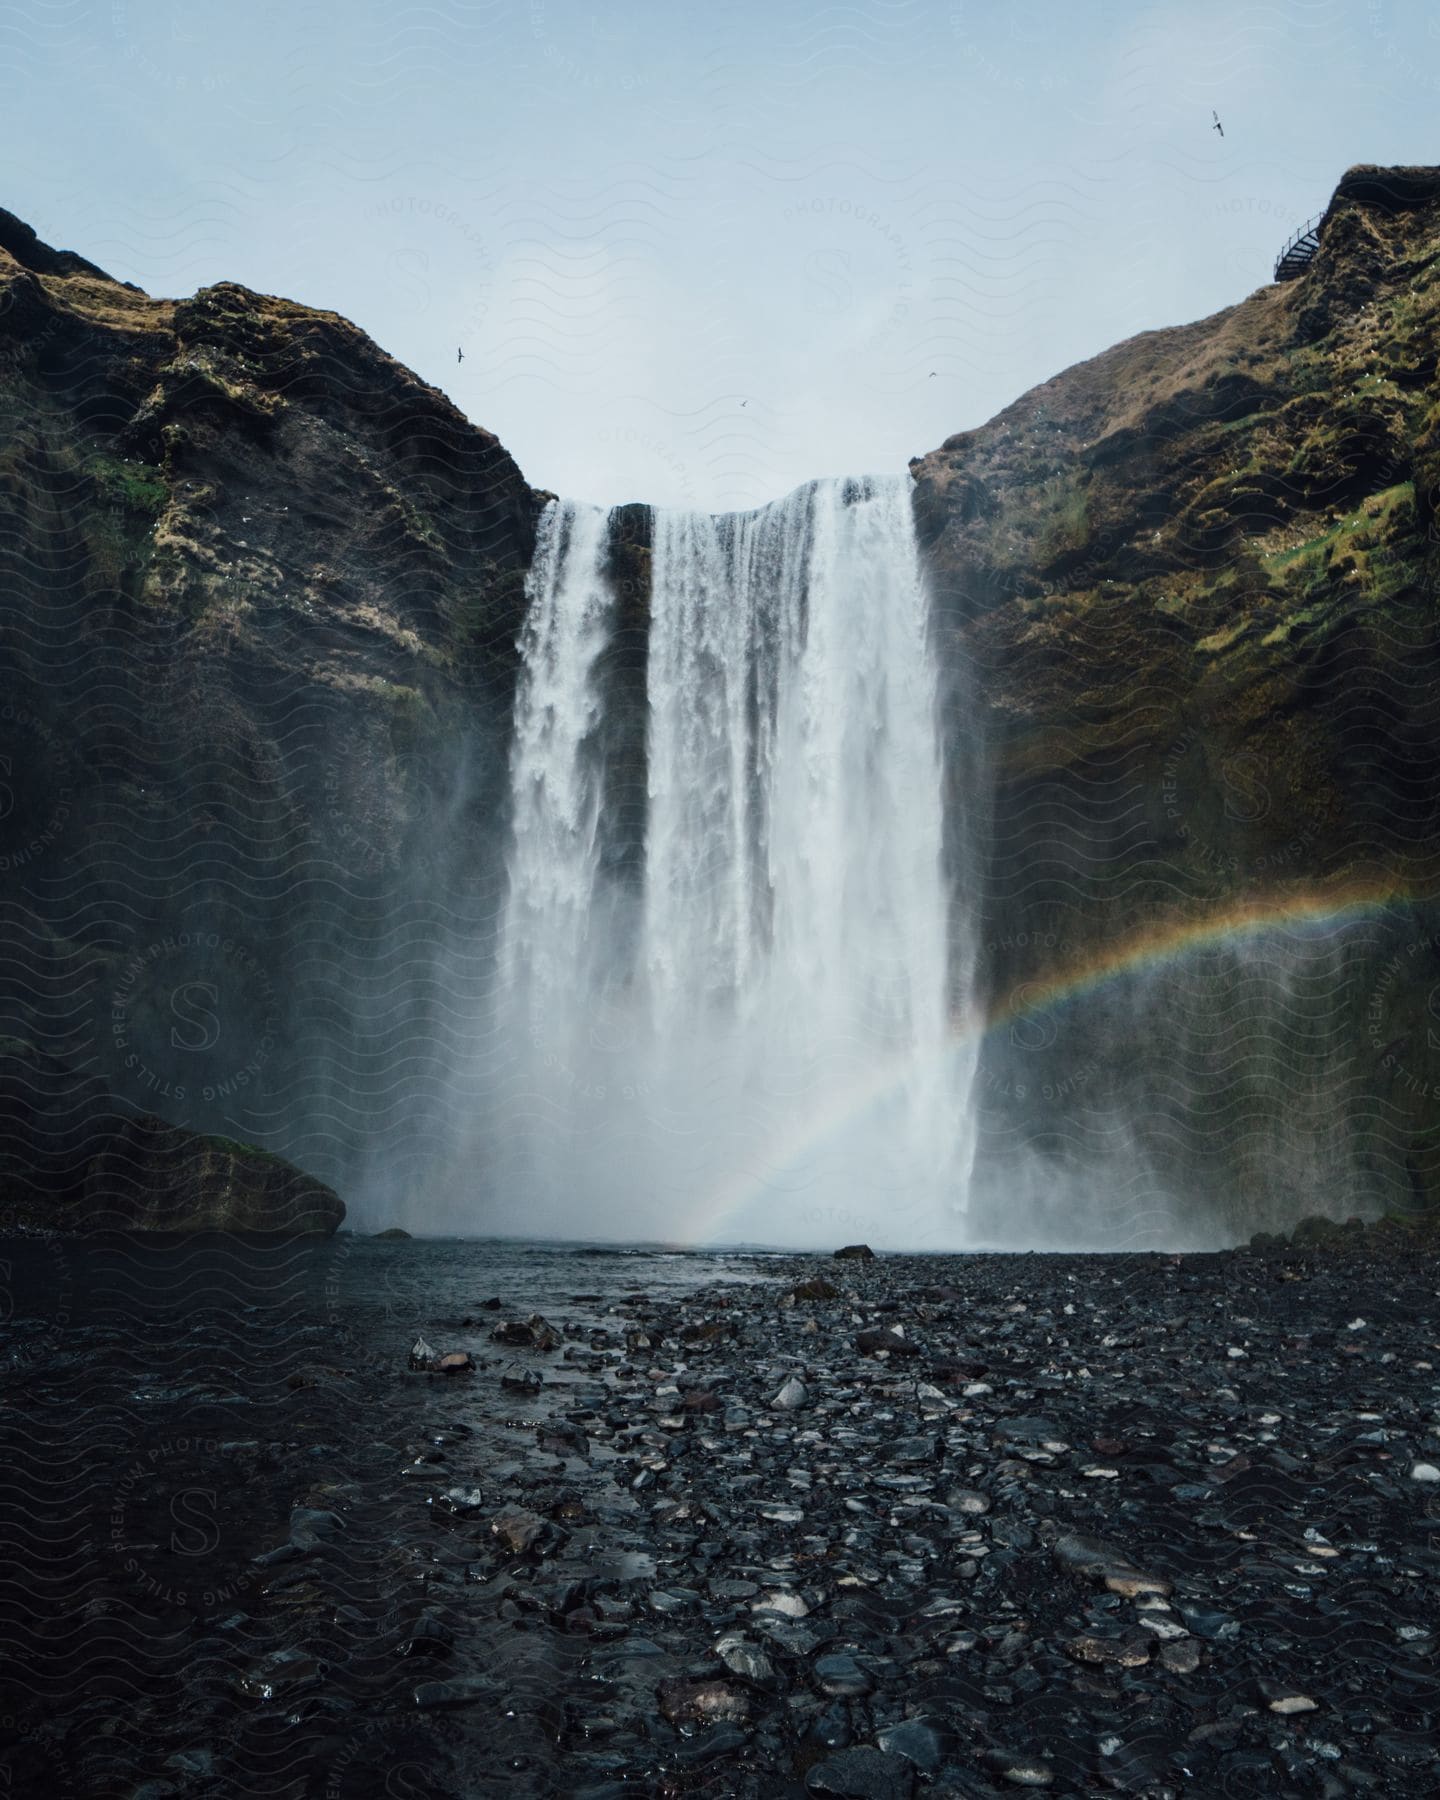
72 1162
53 1122
157 1177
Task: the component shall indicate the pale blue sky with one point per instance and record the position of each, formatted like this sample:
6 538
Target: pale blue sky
635 218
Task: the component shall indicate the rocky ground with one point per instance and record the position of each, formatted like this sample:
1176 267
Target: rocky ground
746 1527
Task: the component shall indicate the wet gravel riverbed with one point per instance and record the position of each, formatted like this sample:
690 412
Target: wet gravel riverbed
739 1526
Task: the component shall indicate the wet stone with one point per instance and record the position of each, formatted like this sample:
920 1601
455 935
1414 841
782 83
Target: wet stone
1092 1557
1030 1431
726 1589
428 1635
465 1690
519 1530
967 1500
815 1287
831 1727
793 1638
1129 1652
282 1676
886 1340
629 1649
792 1395
427 1360
924 1742
1205 1622
720 1739
1181 1657
778 1600
310 1525
1161 1627
671 1600
534 1333
1097 1560
282 1553
702 1701
562 1436
459 1502
863 1773
1020 1770
839 1674
745 1659
1284 1698
197 1763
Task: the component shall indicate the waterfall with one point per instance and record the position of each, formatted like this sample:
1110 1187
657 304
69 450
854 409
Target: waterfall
755 1044
555 779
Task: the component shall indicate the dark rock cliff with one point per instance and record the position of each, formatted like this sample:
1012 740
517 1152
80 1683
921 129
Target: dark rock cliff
260 590
73 1163
1193 582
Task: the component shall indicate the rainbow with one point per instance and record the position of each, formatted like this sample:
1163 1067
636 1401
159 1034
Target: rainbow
1159 943
1171 939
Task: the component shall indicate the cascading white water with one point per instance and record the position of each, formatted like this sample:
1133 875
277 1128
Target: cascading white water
763 1053
545 967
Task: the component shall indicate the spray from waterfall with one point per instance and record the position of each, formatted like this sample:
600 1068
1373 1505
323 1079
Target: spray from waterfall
751 1042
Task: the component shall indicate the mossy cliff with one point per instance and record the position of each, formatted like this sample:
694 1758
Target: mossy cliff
260 591
1191 590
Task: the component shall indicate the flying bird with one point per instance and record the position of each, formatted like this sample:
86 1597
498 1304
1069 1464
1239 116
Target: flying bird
744 402
934 373
459 356
1216 117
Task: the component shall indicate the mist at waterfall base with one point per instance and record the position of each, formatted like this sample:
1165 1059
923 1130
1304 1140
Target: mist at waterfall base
735 987
1190 1100
719 976
739 1030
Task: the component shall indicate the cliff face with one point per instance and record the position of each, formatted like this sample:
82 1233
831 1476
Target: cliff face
1193 583
260 595
260 590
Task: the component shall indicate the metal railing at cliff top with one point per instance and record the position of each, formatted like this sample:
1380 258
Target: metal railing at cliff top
1294 259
